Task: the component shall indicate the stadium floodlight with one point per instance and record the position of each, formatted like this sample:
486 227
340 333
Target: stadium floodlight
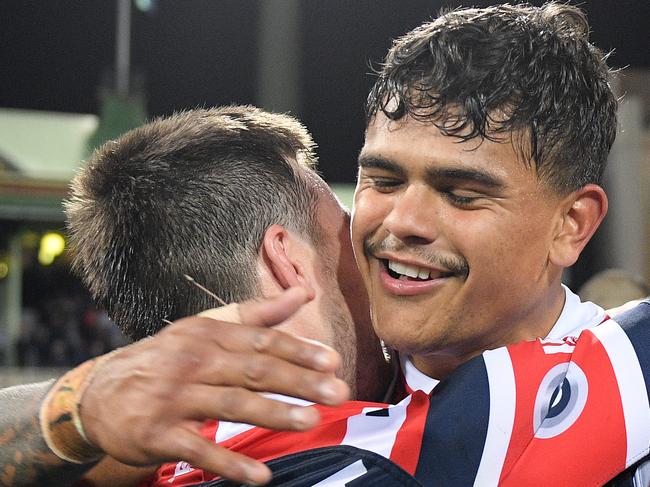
52 245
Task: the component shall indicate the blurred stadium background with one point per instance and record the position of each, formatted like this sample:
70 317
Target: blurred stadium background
74 74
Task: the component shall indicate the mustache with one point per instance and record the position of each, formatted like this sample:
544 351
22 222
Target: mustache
455 264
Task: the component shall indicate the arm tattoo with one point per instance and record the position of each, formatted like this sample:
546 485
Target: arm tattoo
25 459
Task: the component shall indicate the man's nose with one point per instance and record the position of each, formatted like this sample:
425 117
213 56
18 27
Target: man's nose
412 217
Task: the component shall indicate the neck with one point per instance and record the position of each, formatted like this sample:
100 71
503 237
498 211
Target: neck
535 322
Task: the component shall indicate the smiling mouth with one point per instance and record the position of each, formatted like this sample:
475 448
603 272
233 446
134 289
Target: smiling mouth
407 272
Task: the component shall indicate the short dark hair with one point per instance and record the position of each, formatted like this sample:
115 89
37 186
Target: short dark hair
189 194
486 73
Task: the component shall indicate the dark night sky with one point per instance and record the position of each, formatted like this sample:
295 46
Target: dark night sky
55 53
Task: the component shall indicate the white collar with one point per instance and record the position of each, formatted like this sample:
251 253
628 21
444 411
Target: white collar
414 379
575 317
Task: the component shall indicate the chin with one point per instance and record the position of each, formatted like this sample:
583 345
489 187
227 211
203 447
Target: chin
402 344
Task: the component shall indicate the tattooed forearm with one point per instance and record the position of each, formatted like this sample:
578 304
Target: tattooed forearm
25 459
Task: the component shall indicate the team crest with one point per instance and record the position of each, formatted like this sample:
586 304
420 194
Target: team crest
561 397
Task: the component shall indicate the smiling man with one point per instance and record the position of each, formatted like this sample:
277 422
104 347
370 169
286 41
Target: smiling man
487 135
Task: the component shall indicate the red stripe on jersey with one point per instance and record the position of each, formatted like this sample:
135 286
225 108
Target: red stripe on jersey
528 375
570 454
406 450
264 444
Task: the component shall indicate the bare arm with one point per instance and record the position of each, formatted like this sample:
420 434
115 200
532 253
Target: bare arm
25 459
111 473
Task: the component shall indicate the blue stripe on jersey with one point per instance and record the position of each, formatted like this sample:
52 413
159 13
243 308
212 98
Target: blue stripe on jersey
636 324
332 466
456 427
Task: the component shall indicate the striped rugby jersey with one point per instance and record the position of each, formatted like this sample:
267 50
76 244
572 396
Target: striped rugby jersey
573 411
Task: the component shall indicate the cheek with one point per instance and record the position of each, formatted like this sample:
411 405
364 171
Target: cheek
486 240
357 243
351 283
370 207
364 217
505 256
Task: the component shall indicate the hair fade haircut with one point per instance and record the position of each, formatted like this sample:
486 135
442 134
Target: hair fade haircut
189 194
509 69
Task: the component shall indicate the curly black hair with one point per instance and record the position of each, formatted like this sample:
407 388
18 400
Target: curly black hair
508 69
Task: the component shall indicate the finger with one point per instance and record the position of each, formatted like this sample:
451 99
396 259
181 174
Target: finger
181 443
229 312
207 340
242 406
272 311
276 343
297 350
261 372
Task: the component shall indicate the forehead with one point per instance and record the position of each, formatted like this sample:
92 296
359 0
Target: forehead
411 145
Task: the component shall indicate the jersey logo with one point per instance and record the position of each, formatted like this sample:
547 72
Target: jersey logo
561 397
181 469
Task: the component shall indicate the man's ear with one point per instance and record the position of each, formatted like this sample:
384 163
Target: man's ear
582 212
284 254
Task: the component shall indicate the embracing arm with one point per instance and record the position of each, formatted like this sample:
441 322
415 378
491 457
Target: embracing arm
25 459
145 404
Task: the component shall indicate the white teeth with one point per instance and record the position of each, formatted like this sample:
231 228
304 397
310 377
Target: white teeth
408 270
396 267
411 270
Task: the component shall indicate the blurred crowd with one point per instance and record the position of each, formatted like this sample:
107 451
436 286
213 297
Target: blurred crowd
65 331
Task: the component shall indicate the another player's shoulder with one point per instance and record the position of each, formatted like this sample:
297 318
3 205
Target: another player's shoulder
372 427
632 314
331 466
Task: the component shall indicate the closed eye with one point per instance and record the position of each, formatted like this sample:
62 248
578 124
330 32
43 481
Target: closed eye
459 200
383 184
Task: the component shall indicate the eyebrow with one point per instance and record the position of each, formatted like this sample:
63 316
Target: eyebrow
483 178
373 162
461 174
